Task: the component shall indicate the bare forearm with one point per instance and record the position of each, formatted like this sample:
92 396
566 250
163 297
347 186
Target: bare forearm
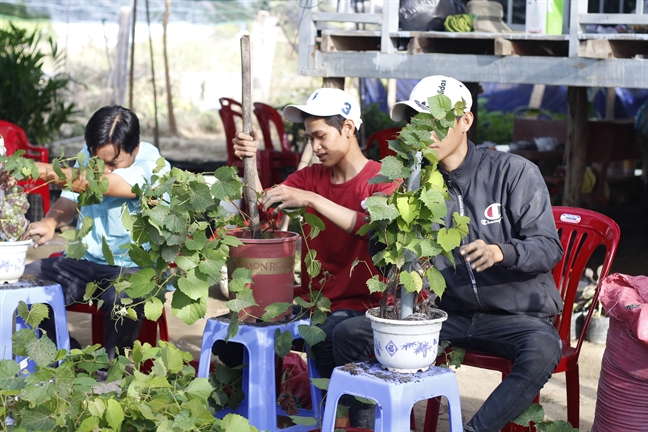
339 215
62 212
117 186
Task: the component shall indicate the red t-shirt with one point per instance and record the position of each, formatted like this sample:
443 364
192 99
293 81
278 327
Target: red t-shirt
336 249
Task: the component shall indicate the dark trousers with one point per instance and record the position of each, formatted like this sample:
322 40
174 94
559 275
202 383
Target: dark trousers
532 344
73 276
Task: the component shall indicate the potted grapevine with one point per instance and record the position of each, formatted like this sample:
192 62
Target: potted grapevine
13 206
409 227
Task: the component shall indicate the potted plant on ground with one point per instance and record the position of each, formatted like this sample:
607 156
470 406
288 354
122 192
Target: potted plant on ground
409 226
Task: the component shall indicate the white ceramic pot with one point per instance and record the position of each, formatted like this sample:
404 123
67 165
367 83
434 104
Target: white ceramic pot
12 260
406 346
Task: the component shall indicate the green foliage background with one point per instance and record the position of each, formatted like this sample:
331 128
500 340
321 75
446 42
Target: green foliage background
30 97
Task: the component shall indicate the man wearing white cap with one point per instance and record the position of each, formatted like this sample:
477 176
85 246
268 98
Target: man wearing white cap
500 297
334 190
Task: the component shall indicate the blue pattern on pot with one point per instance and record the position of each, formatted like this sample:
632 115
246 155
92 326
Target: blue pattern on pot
391 348
377 347
12 260
421 347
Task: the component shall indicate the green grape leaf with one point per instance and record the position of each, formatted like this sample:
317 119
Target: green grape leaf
153 308
380 209
114 414
439 105
305 421
107 252
283 342
449 238
274 310
315 223
186 309
411 281
436 280
376 285
534 413
311 334
321 383
313 266
393 169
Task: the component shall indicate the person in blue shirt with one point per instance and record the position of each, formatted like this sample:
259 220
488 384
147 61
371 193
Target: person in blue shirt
113 135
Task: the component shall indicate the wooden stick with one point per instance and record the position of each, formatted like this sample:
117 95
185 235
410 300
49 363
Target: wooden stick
248 162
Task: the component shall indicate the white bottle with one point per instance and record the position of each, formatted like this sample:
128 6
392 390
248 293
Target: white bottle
536 16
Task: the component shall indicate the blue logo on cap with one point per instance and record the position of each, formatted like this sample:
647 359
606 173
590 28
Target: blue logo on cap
346 109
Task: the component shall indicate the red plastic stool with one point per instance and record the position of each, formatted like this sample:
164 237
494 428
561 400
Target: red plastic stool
148 333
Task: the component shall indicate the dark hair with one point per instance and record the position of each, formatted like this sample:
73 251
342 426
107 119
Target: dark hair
114 125
336 121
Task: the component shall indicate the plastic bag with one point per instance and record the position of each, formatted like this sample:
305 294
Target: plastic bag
426 15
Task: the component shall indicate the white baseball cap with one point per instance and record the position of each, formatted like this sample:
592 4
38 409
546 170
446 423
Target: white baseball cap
428 87
326 102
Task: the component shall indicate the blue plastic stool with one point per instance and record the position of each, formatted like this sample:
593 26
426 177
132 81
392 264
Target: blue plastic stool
12 294
260 403
395 393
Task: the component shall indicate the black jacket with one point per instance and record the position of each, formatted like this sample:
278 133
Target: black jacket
508 204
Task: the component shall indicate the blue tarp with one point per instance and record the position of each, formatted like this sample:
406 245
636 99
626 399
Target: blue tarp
512 97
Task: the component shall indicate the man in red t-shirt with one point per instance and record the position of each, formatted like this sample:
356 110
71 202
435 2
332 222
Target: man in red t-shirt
334 190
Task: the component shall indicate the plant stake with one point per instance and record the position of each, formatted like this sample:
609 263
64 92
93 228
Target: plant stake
408 299
248 162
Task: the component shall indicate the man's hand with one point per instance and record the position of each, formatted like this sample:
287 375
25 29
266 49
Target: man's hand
287 197
480 255
245 145
45 229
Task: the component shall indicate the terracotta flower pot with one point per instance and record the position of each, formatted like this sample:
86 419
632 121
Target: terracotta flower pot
272 263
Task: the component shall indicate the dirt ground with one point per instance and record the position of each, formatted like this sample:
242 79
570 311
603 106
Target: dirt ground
631 212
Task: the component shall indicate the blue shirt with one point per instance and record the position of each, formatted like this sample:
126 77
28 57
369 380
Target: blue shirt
107 216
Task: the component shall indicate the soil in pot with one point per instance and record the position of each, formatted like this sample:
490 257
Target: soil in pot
272 262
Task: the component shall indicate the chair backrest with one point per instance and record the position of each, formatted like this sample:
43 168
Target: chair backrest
267 115
581 232
381 138
230 109
16 139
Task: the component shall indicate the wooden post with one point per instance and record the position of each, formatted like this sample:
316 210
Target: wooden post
333 82
249 167
121 58
132 58
173 128
576 146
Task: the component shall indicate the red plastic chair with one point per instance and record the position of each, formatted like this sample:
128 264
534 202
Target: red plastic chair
380 138
230 111
280 156
267 115
581 232
16 139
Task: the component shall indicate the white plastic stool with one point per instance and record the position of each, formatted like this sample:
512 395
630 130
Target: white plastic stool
260 403
395 393
12 294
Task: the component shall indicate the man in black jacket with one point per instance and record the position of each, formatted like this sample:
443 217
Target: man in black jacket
501 297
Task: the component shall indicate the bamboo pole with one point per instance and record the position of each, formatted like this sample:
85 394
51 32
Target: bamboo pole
249 189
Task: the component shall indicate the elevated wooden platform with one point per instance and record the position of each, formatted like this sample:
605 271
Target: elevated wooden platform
378 49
